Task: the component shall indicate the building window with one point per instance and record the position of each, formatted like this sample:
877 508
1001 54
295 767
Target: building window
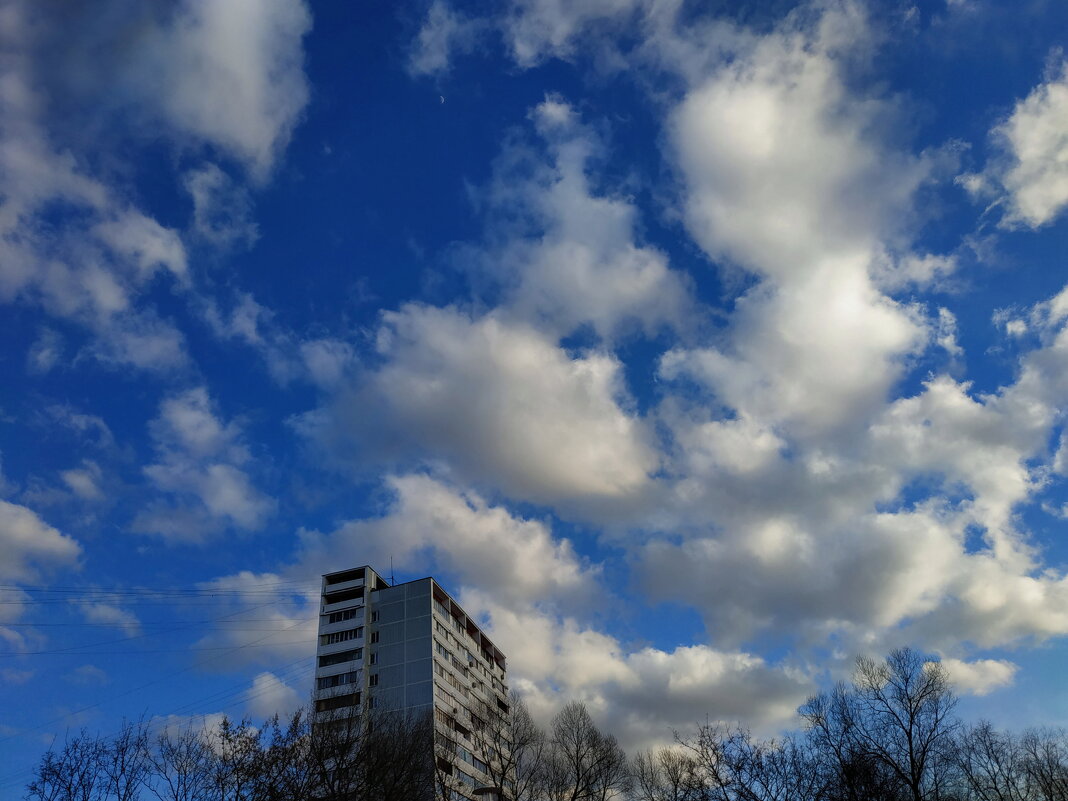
341 636
347 575
374 616
348 614
344 595
326 682
373 680
374 636
374 659
337 702
340 656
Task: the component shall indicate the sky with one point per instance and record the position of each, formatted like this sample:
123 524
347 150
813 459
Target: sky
695 348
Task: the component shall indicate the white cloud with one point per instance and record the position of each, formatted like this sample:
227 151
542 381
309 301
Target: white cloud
818 354
500 402
441 529
287 611
91 268
328 361
144 243
222 209
782 172
84 481
269 696
230 73
982 676
640 695
111 615
1031 167
538 29
575 262
45 352
201 458
443 33
12 676
30 545
87 674
784 176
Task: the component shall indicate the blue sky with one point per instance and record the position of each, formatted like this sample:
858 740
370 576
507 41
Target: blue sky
696 347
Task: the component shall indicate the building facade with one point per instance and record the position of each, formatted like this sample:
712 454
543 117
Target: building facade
411 648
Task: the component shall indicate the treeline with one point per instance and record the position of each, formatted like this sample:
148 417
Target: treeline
889 735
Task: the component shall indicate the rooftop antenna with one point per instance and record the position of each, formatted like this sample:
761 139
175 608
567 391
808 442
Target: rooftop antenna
392 579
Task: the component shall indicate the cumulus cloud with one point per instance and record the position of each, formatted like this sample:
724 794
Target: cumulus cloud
269 696
445 529
783 176
501 402
982 676
31 546
189 74
911 525
229 73
779 162
1028 172
642 694
444 33
93 264
575 260
203 459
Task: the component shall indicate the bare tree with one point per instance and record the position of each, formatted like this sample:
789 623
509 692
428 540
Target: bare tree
180 762
667 774
283 770
72 774
992 765
381 757
895 722
236 751
1045 754
582 763
852 774
732 765
124 762
512 746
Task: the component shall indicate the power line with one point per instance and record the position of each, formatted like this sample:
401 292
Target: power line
201 663
239 693
184 627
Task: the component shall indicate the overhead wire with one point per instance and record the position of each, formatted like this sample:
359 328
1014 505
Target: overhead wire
241 692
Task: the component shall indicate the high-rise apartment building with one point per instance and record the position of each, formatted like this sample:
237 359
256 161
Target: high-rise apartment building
410 648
